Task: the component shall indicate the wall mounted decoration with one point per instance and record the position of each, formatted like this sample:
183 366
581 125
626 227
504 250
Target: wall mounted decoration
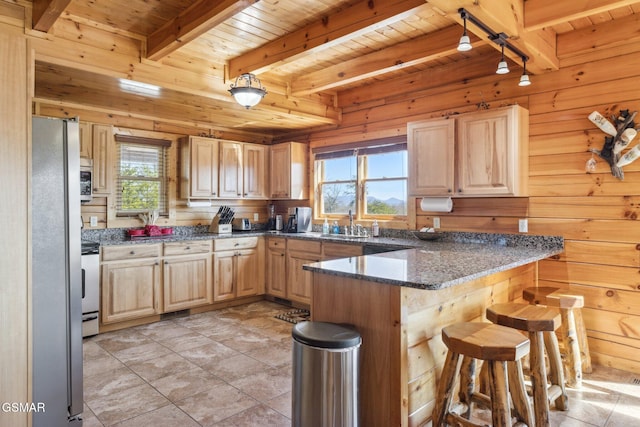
620 134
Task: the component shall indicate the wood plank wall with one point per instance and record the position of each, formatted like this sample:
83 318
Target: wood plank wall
595 212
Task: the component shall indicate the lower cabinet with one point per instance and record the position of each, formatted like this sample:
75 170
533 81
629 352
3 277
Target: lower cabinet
300 252
238 266
130 289
276 267
187 282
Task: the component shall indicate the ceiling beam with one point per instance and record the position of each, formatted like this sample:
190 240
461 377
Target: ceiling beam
602 36
544 13
329 31
507 16
47 12
199 18
412 52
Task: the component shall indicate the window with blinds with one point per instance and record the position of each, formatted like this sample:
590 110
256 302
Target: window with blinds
141 175
370 180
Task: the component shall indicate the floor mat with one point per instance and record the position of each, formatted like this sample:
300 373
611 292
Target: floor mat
294 316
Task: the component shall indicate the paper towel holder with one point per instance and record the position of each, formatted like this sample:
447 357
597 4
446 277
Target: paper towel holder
436 204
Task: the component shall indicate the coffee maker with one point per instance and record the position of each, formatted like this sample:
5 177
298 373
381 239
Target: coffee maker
271 223
299 220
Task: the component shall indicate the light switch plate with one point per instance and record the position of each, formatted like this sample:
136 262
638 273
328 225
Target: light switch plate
436 222
256 217
523 225
93 220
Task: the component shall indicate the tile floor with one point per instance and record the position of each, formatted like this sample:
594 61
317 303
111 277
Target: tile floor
232 367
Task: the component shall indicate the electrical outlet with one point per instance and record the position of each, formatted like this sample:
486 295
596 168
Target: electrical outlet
93 220
256 217
523 225
436 222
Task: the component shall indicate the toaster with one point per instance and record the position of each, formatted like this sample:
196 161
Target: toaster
241 224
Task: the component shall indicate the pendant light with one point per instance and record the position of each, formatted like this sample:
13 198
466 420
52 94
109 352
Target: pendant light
503 68
247 90
465 43
524 78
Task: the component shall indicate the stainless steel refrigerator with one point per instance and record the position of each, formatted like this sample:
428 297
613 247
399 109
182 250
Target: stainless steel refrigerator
57 277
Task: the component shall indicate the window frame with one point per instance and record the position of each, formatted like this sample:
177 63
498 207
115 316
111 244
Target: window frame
361 152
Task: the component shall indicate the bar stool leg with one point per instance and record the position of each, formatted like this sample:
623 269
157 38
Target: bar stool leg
582 342
572 348
445 388
555 370
539 379
521 407
500 413
468 379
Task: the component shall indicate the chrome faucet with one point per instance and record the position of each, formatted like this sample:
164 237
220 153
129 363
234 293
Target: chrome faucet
350 222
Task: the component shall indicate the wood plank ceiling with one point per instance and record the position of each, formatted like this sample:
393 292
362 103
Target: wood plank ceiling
306 52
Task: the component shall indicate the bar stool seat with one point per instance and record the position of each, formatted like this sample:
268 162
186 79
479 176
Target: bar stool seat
540 323
572 331
502 349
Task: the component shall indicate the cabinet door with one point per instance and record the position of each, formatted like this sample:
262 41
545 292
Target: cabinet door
230 178
130 290
203 171
488 153
255 171
276 273
187 282
249 273
299 280
86 137
103 161
280 169
223 275
430 146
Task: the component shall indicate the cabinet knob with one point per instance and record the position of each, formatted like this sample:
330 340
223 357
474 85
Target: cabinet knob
188 248
132 253
213 194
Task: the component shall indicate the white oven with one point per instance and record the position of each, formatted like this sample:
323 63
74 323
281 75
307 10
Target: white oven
90 262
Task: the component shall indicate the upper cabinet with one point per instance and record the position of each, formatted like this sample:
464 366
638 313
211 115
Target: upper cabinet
198 167
103 161
476 154
288 168
213 168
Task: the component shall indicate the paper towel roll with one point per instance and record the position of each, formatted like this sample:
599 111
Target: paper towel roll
436 204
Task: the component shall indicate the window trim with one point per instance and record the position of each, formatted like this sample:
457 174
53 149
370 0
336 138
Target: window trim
360 150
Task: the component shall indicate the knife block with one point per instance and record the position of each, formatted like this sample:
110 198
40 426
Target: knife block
218 228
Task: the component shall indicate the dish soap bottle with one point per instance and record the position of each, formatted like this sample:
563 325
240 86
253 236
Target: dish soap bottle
325 226
375 229
336 227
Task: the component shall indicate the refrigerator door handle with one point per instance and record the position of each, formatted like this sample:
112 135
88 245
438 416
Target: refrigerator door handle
83 280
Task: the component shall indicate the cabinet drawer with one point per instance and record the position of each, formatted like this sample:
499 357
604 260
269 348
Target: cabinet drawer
308 246
341 250
184 248
231 244
277 243
113 253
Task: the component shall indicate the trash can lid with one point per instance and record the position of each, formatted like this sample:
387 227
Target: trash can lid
326 335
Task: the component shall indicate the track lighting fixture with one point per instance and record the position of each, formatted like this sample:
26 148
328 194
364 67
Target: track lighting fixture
498 38
524 78
503 68
465 43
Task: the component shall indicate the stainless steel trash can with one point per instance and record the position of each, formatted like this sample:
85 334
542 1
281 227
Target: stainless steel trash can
325 375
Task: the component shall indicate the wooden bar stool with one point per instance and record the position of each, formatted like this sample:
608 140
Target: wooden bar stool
502 349
540 323
572 331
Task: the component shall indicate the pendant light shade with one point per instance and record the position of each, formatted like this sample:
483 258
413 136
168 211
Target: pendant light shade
524 78
247 90
465 43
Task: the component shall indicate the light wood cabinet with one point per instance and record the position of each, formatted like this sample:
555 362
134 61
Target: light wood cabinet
299 281
476 154
198 167
255 178
130 283
187 279
288 171
230 172
103 146
276 267
238 268
86 139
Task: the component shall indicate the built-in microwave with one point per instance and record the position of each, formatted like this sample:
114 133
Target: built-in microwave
86 176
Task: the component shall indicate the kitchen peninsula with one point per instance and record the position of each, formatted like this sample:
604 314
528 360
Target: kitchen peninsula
400 301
